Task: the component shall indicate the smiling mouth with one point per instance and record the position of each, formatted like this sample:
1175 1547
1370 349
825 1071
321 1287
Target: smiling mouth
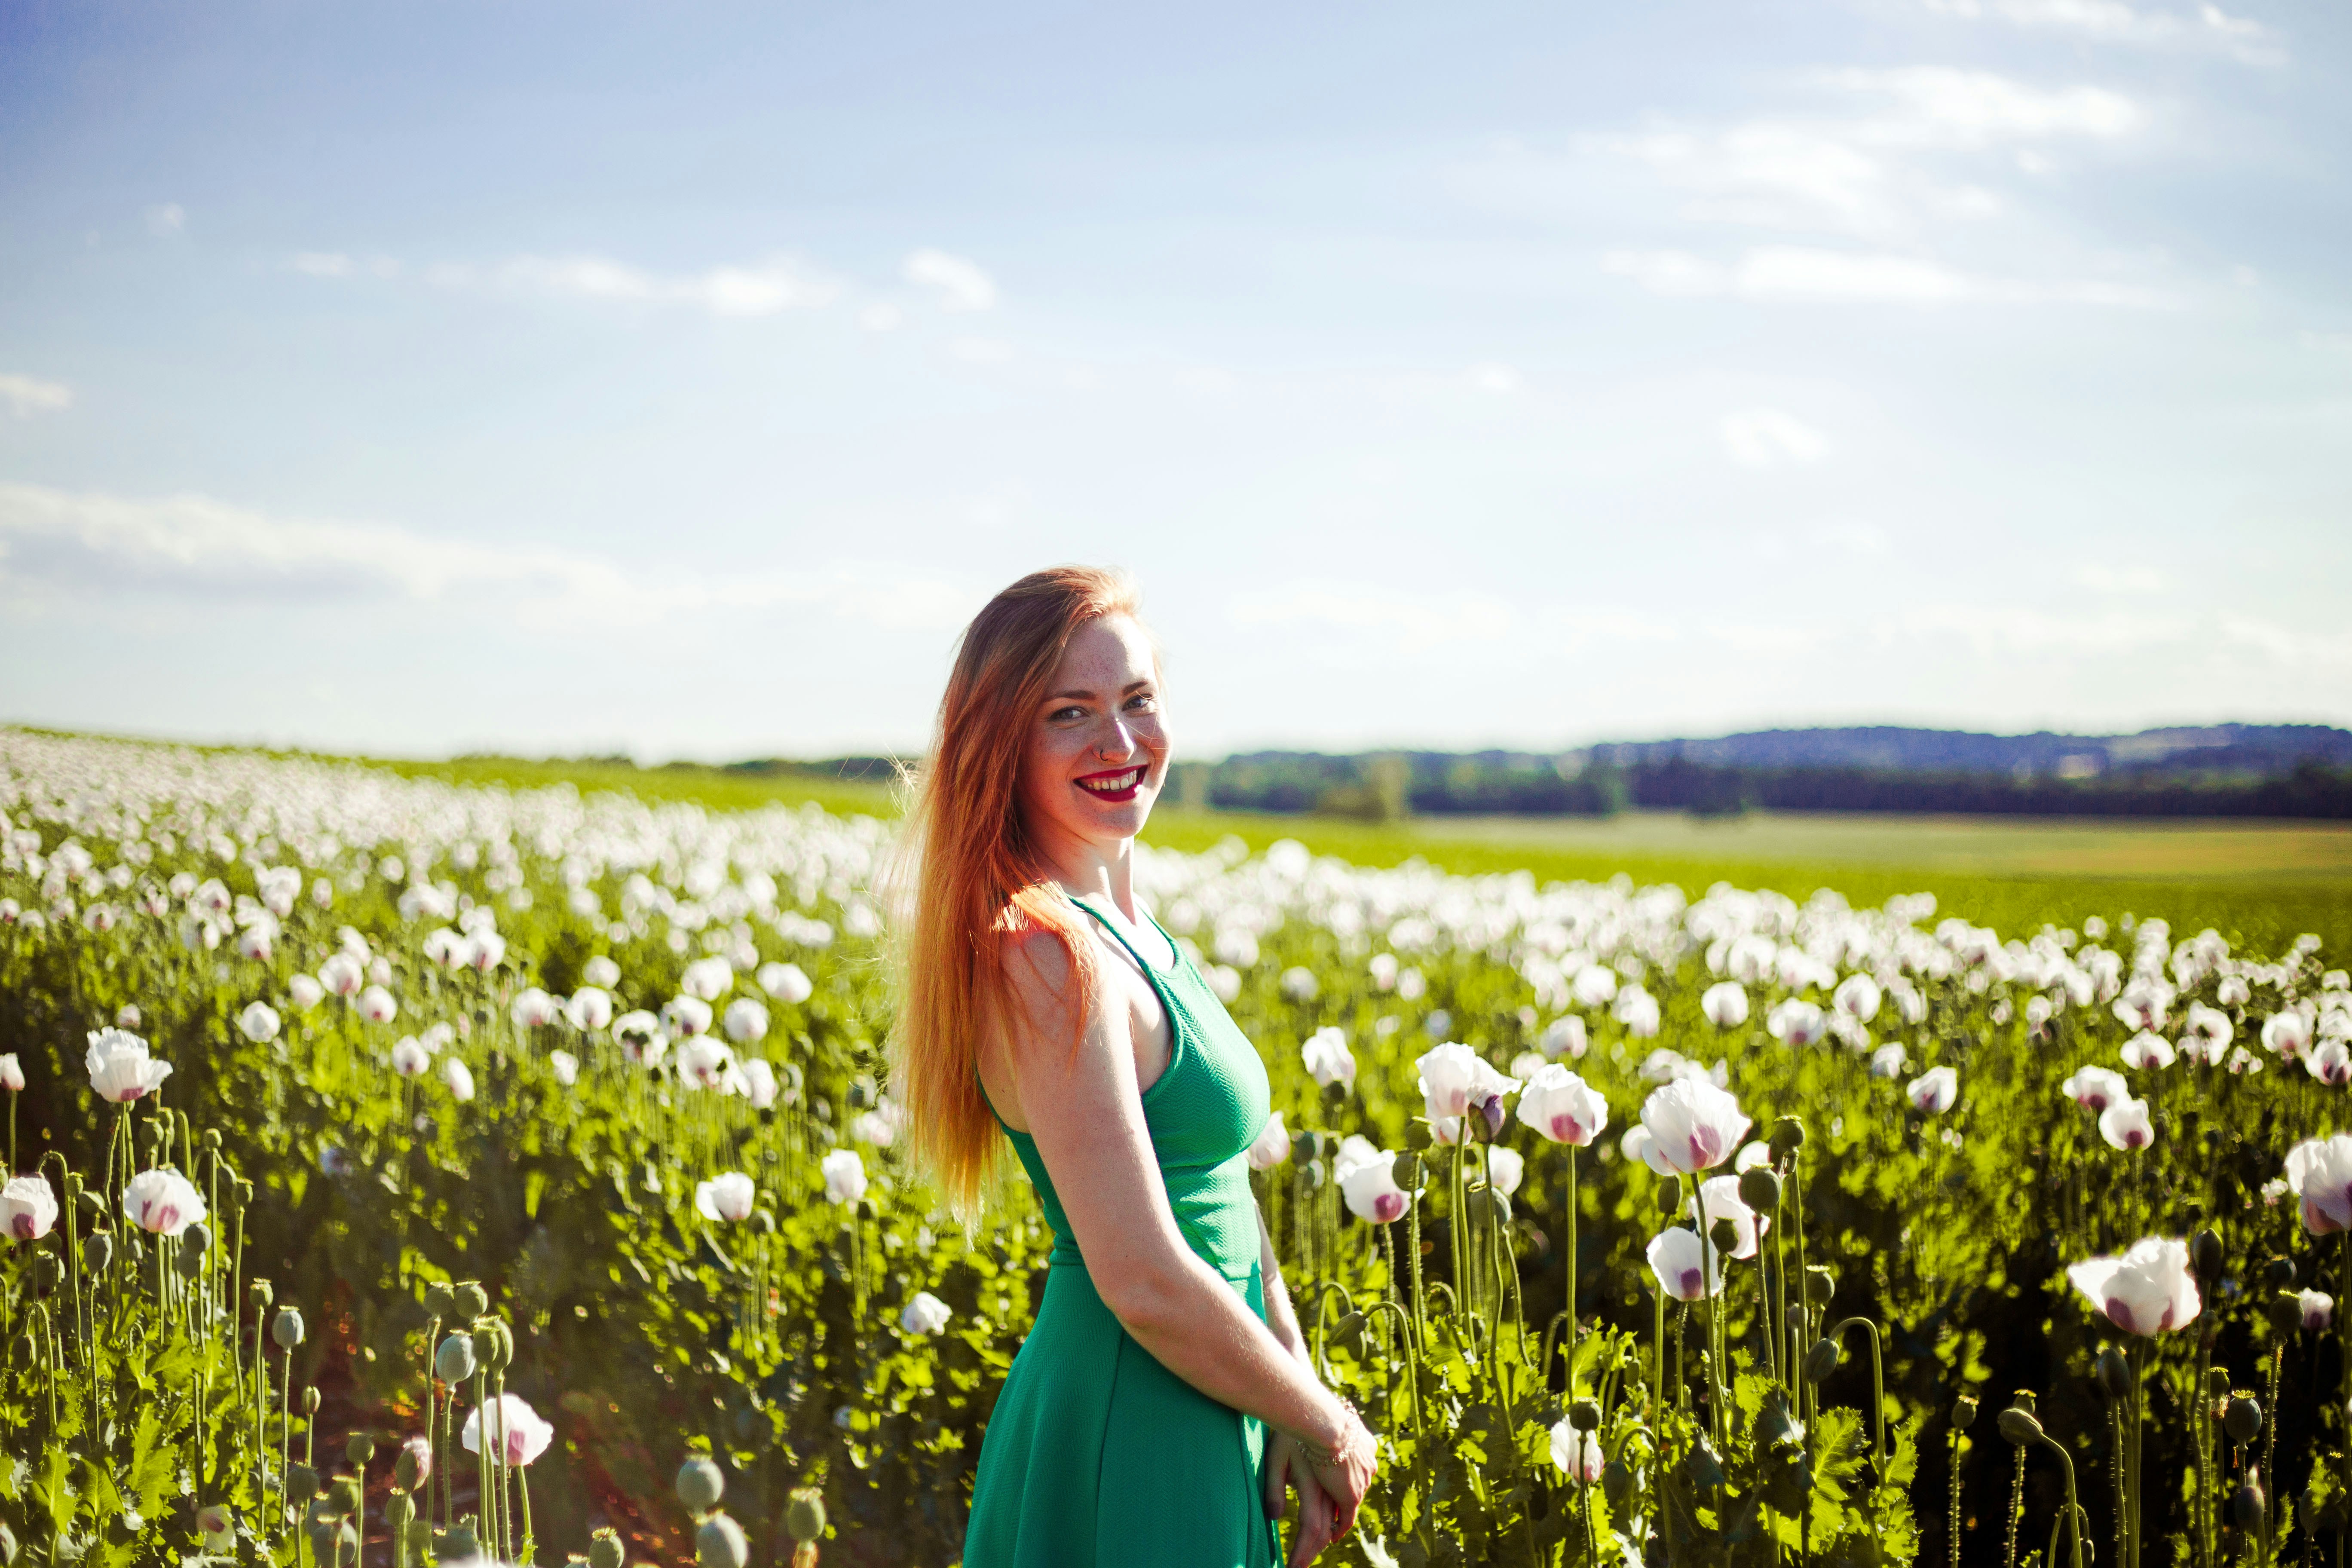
1120 785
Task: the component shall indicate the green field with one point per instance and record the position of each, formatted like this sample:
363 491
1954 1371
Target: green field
2263 881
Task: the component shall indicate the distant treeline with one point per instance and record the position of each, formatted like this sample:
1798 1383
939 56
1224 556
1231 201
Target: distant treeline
1510 783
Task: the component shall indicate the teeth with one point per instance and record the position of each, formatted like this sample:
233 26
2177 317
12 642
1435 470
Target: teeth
1112 786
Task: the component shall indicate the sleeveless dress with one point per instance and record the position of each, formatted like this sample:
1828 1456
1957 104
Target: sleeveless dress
1096 1456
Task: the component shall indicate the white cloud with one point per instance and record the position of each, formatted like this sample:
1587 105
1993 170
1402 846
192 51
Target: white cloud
2204 26
166 219
1767 437
323 264
1934 106
1495 378
1406 623
1806 273
781 284
197 547
881 318
982 350
958 284
27 396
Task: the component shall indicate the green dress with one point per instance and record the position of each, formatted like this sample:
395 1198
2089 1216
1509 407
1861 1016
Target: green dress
1096 1454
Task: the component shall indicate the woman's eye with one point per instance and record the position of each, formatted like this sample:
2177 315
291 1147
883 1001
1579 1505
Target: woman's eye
1060 714
1143 703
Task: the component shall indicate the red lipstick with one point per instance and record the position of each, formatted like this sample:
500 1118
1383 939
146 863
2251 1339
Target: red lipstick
1114 784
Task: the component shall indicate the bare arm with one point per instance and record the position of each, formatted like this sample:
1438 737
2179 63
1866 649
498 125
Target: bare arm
1087 1116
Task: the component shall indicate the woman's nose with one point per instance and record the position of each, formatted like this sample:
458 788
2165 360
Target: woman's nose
1116 743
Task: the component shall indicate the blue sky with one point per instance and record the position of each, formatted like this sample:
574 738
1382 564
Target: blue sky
676 380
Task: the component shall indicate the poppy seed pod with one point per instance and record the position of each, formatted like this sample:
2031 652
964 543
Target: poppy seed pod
1759 1189
1584 1415
805 1516
189 1264
1408 1172
1821 1360
700 1484
720 1543
98 1252
2246 1507
1821 1285
2114 1374
2285 1313
2216 1383
1964 1412
502 1347
358 1448
606 1550
440 1300
454 1363
2020 1427
471 1300
48 1273
2241 1419
2206 1257
196 1240
344 1496
286 1329
2279 1274
1725 1234
1796 1318
261 1294
1788 1136
301 1484
486 1346
399 1511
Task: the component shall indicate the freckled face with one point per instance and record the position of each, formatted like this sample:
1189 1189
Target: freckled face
1097 747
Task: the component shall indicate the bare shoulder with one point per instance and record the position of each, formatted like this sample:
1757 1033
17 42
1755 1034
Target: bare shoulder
1038 967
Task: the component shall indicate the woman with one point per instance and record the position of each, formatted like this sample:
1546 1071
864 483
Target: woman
1165 1401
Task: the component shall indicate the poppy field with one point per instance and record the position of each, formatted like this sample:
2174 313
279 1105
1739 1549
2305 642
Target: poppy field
416 1173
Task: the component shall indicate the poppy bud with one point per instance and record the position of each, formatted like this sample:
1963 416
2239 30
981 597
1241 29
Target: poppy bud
2285 1313
399 1509
2279 1274
1584 1415
720 1543
1349 1332
1964 1412
358 1448
471 1300
196 1240
486 1347
92 1205
261 1294
2206 1257
1491 1110
1759 1189
1796 1318
301 1483
413 1466
1821 1360
440 1300
1819 1285
2241 1419
310 1402
1417 1135
98 1252
606 1550
48 1273
1725 1234
805 1516
1408 1172
2020 1427
454 1363
1786 1137
1616 1484
1669 1197
2114 1374
2216 1383
344 1496
2246 1507
286 1329
700 1485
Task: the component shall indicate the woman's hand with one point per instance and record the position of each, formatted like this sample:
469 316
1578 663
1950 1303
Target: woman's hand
1344 1470
1287 1467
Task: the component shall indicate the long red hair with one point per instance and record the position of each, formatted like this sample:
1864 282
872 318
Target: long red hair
969 877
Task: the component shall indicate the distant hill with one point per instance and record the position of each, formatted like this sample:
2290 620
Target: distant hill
2217 748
